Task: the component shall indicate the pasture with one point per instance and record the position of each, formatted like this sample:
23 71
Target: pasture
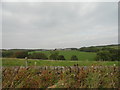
82 56
31 62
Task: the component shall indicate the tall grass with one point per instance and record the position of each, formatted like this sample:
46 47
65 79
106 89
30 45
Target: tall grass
62 77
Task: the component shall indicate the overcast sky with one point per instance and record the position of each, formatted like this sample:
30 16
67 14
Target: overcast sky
59 25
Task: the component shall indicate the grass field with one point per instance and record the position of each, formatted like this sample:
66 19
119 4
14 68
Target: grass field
21 62
105 76
82 56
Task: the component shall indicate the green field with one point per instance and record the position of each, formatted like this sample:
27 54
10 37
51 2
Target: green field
82 56
21 62
114 46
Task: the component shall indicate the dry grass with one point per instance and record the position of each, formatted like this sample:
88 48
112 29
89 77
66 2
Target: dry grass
61 77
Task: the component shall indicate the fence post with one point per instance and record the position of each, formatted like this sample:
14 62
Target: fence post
26 62
35 63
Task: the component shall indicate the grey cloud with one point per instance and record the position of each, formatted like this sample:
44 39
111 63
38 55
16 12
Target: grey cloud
59 25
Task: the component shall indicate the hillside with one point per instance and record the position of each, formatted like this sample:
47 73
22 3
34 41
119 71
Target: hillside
98 48
82 56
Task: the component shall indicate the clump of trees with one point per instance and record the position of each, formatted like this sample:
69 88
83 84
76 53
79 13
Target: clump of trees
21 54
14 53
103 55
55 56
37 56
7 54
17 54
90 49
61 57
108 54
74 57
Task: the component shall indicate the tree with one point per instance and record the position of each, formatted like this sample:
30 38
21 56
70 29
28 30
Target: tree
109 54
74 57
21 54
54 55
89 49
38 56
61 57
7 54
115 54
103 55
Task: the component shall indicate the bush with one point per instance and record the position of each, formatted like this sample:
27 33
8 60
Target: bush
74 57
21 54
61 57
7 54
54 56
103 55
115 54
38 56
108 55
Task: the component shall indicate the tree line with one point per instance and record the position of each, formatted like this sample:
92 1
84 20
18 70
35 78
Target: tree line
108 54
103 53
22 54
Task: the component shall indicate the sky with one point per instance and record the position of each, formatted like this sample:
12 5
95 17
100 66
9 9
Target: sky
49 25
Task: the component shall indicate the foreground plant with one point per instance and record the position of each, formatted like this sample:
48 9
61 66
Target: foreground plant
67 77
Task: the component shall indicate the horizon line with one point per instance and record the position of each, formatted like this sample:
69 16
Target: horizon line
64 47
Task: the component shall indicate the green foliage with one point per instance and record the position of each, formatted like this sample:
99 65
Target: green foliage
37 56
89 49
115 54
98 48
54 56
74 57
7 54
61 57
21 54
82 56
103 55
108 54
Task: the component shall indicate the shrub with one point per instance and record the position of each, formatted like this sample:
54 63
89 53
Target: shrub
7 54
108 55
54 56
21 54
38 56
61 57
74 57
115 54
103 55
